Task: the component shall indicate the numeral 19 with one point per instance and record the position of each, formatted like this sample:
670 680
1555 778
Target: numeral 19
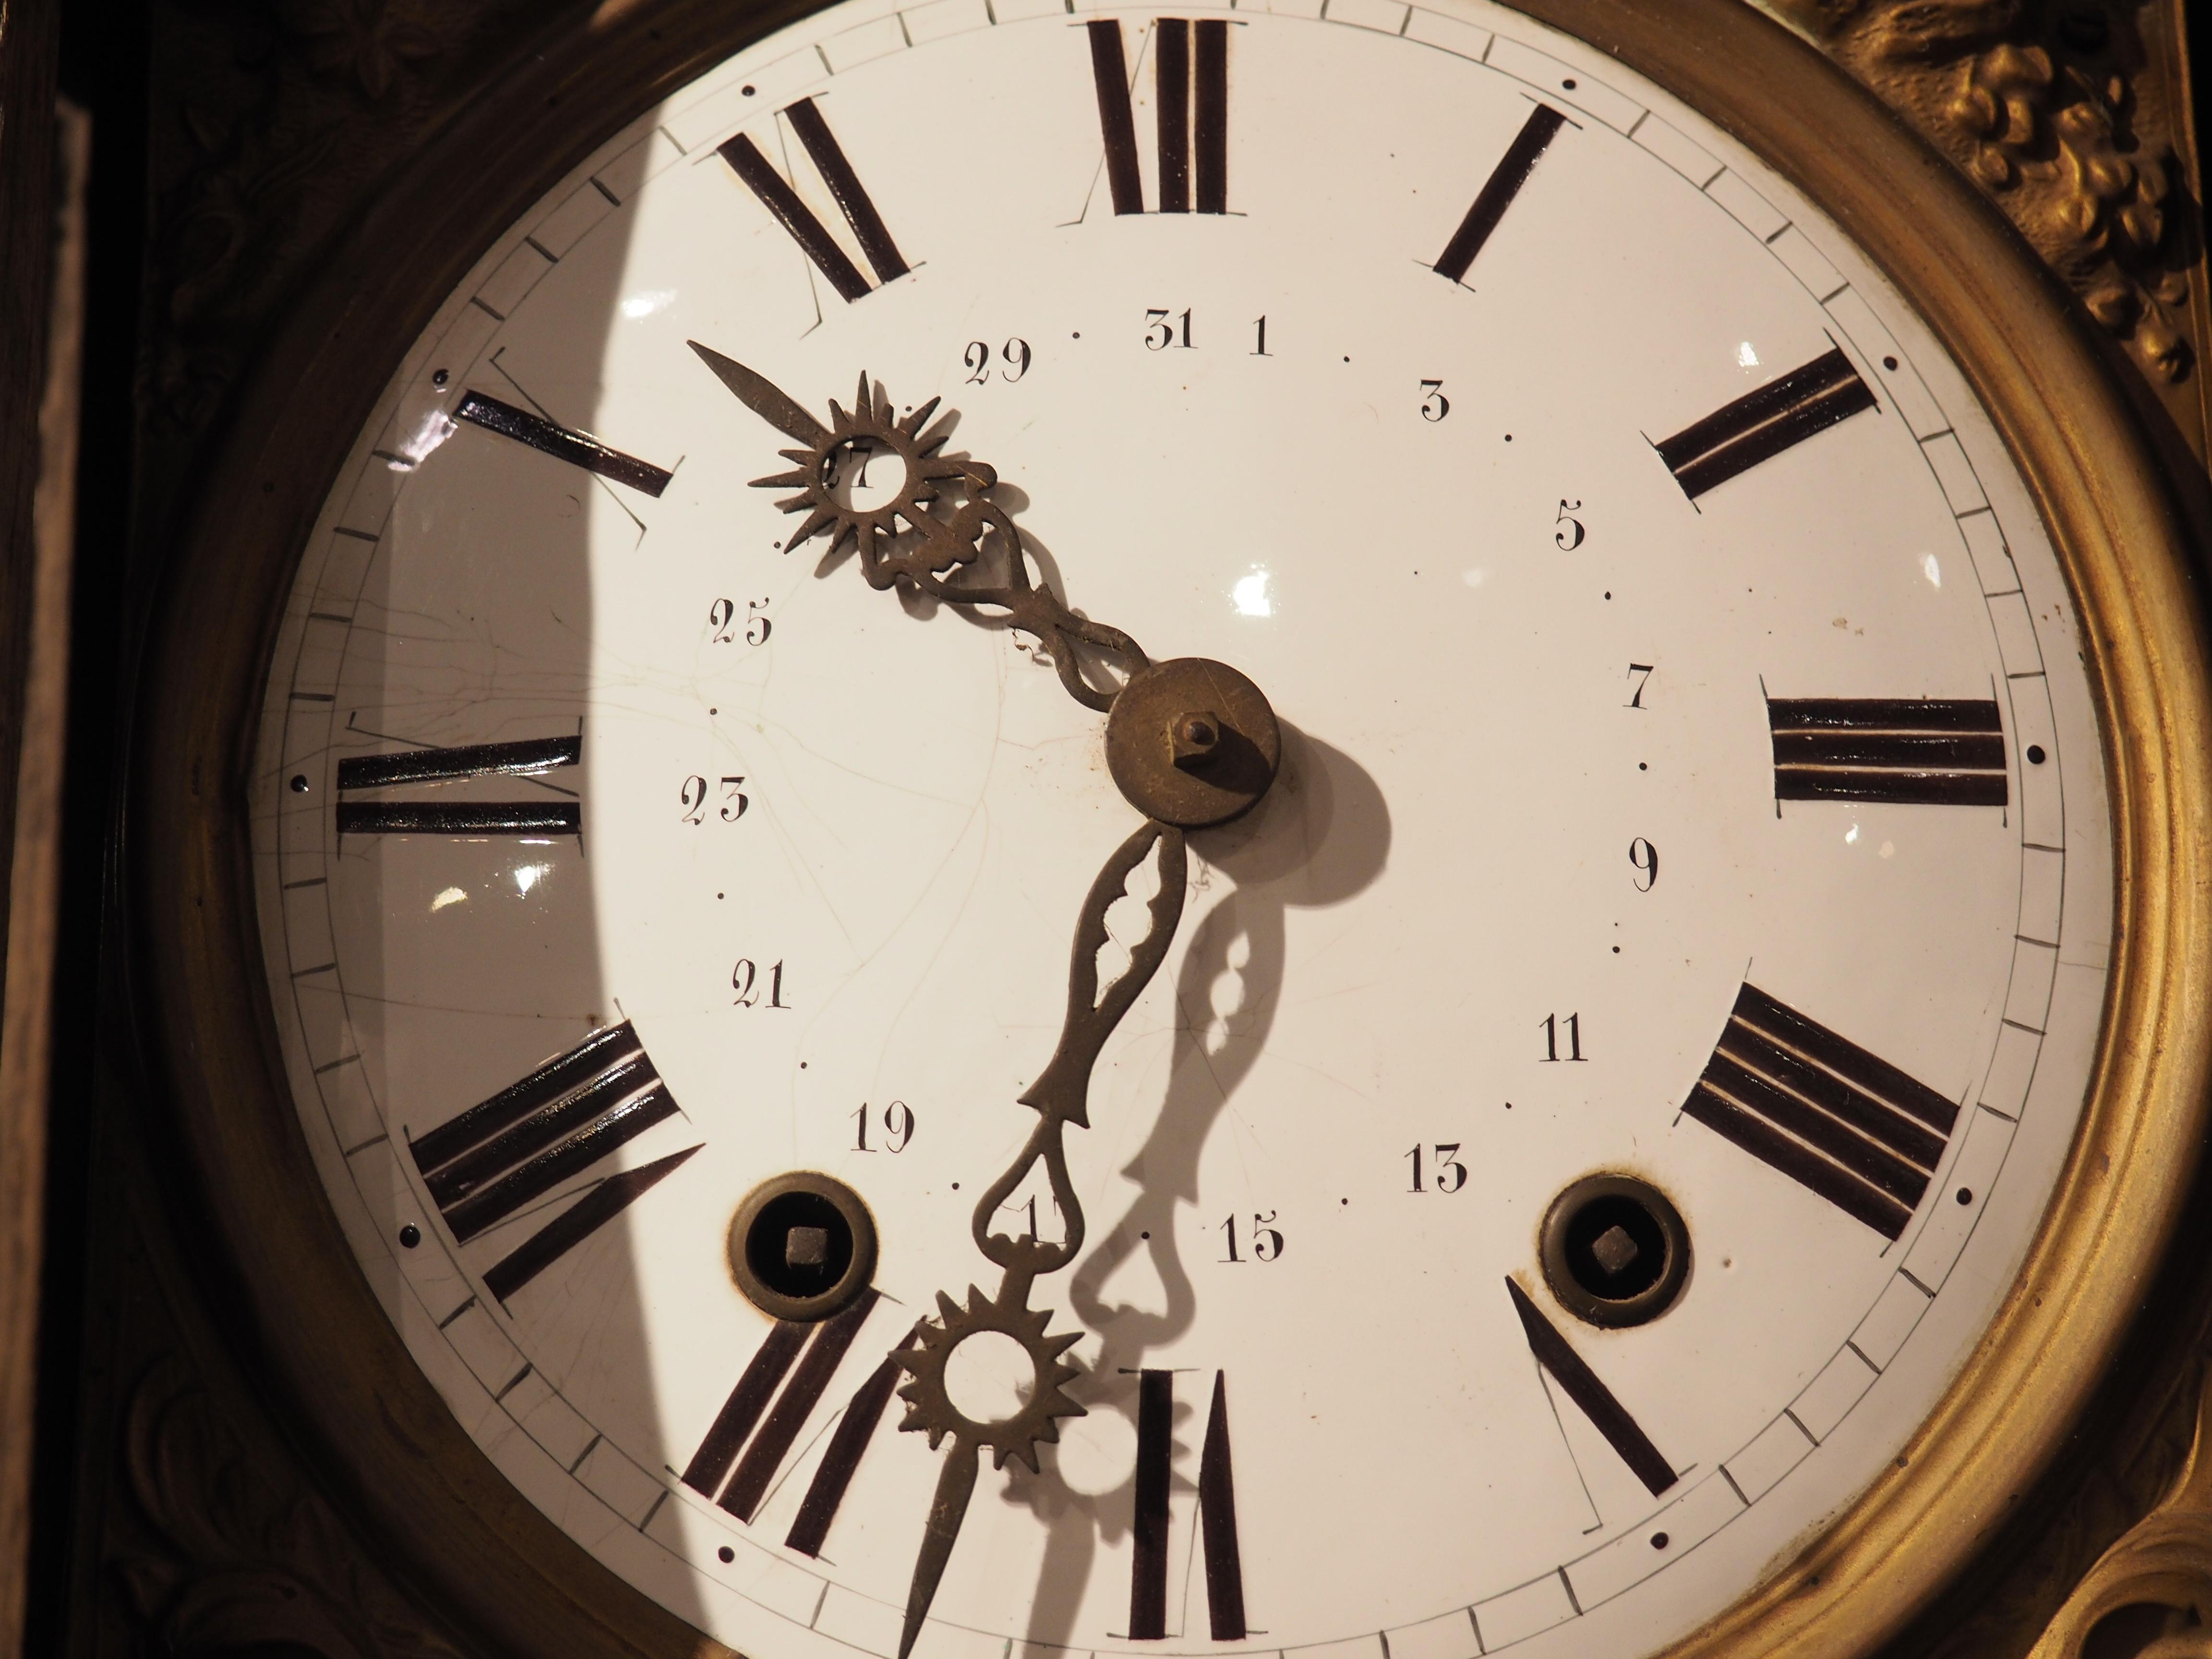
1552 1025
1264 1243
898 1125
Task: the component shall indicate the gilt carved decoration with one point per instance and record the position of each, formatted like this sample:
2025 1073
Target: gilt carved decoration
2070 114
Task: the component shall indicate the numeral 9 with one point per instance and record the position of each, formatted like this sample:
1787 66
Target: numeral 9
1645 857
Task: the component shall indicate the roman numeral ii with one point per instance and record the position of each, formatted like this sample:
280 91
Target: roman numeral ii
1193 113
813 238
1761 424
506 1151
540 816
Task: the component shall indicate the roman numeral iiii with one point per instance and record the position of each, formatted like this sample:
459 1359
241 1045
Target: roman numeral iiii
1841 1122
513 1149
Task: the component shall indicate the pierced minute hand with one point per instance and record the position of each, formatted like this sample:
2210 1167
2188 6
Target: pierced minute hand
1059 1098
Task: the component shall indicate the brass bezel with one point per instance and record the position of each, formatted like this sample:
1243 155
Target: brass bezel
386 1446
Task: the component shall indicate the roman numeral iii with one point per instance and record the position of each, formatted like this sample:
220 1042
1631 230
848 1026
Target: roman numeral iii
1840 1122
813 238
540 816
1193 113
1761 424
1927 752
513 1149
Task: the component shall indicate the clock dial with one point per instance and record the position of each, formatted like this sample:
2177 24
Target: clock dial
1684 899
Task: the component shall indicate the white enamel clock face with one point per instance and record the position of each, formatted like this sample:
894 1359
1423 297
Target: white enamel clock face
1690 775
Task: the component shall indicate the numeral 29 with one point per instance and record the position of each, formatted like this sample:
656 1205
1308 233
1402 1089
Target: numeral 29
1016 355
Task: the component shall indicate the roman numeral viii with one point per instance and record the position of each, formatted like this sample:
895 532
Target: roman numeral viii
1847 1125
747 1443
513 1149
813 238
1217 1513
1927 752
476 760
1761 424
1193 113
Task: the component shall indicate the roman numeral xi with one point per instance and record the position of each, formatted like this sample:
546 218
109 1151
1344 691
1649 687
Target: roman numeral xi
1761 424
1193 113
813 238
510 1151
539 816
1927 753
1843 1123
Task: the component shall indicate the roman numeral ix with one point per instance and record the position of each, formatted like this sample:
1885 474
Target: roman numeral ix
1217 1511
1596 1402
1498 191
513 1149
1927 753
1193 113
813 238
747 1443
577 448
1761 424
1831 1116
476 760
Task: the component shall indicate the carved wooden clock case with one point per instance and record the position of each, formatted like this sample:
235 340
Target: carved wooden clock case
268 1459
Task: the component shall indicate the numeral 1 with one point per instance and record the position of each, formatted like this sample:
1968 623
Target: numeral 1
477 760
504 1152
1606 1414
577 448
1840 1122
1217 1513
1761 424
1193 113
1923 752
814 239
1551 1023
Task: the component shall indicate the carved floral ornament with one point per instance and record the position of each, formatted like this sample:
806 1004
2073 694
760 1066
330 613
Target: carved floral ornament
2040 104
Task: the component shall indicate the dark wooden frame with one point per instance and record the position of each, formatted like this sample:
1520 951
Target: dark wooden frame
389 1449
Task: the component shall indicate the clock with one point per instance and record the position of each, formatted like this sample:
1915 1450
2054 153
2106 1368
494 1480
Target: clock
1360 828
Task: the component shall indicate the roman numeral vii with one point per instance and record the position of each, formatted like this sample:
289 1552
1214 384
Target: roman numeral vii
513 1149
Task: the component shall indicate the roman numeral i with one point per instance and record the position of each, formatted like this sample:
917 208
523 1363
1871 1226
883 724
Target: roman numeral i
513 1149
813 238
1193 113
476 760
1843 1123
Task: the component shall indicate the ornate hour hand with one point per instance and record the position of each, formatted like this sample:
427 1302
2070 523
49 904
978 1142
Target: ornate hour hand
1059 1098
1190 742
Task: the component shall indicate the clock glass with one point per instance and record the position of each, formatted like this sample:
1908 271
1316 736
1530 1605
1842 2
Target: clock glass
1479 1102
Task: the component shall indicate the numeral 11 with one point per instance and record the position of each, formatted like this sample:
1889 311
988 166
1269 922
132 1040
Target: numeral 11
1574 1024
